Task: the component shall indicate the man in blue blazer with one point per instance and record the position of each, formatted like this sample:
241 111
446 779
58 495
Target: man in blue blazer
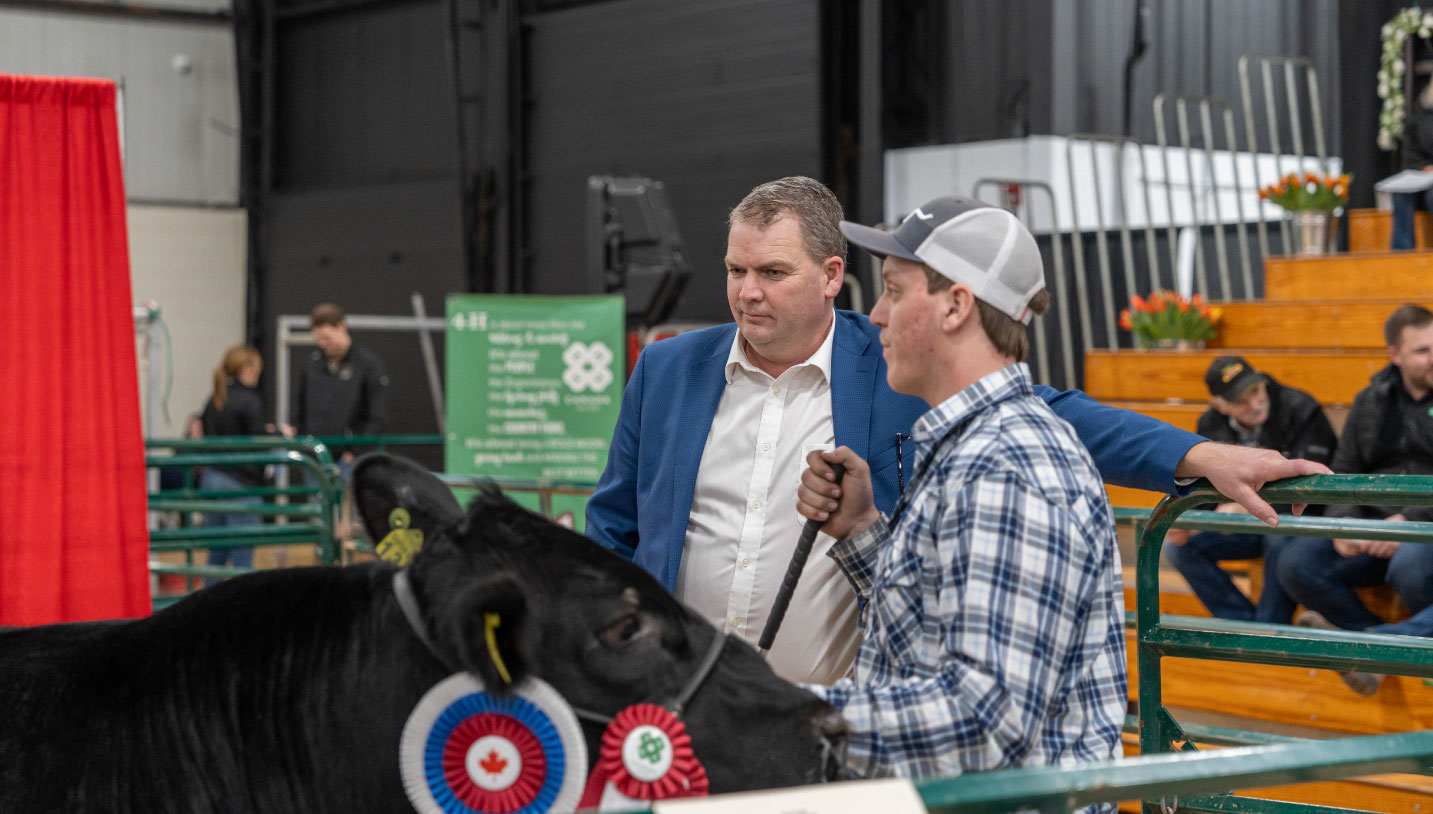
708 416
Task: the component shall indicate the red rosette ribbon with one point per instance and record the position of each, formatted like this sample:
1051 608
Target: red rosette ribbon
647 754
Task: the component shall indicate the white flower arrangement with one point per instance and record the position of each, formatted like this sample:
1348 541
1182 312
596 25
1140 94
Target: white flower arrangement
1406 23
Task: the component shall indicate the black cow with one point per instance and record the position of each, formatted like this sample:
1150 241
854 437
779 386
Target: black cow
287 691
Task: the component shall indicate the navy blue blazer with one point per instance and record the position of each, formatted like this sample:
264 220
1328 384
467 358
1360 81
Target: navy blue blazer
641 504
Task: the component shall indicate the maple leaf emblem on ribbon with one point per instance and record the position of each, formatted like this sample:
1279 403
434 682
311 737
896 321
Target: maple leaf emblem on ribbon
493 763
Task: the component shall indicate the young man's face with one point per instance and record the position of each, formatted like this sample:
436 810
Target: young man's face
910 318
331 339
1414 356
1251 408
780 296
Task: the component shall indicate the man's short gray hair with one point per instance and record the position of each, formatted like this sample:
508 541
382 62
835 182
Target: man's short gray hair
815 207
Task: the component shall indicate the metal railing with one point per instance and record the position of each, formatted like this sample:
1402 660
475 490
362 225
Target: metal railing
1206 106
1266 64
1168 636
1061 302
1199 152
305 522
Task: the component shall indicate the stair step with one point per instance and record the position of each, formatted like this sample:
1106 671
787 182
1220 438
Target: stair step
1182 414
1331 324
1371 230
1332 377
1383 275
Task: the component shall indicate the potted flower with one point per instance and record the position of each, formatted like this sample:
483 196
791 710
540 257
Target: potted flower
1312 203
1167 320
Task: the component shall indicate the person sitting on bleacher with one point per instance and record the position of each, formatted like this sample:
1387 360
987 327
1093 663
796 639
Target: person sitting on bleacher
1389 430
1249 408
1417 155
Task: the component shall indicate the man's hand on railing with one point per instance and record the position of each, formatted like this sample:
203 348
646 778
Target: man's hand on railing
1239 473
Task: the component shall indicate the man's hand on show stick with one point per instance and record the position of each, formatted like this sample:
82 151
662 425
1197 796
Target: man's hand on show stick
844 509
1239 473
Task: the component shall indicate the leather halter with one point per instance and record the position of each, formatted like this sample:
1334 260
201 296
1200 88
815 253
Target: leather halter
408 603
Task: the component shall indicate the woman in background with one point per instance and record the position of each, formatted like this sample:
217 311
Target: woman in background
235 408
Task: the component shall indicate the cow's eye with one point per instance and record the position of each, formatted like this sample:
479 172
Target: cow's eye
623 630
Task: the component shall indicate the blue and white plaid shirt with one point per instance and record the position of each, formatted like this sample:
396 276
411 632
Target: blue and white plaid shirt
993 617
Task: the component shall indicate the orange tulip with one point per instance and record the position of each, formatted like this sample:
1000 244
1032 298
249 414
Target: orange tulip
1205 311
1198 301
1125 321
1310 178
1136 303
1264 194
1156 302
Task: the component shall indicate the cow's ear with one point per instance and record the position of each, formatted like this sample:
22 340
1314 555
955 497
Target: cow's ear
488 630
397 495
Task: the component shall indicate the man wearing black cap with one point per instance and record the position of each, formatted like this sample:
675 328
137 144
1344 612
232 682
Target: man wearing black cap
993 630
1250 409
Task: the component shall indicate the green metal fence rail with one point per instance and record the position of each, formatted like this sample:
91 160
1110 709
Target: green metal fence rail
382 442
308 522
1184 782
1169 636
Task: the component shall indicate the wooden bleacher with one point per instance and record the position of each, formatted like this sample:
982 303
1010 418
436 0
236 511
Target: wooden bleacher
1320 328
1159 375
1371 230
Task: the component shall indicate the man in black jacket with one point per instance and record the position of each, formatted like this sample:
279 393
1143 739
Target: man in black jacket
343 387
1249 408
1389 431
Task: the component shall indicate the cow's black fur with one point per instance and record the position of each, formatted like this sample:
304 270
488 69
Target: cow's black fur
286 691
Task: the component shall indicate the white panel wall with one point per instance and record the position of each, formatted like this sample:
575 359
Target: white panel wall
180 93
192 263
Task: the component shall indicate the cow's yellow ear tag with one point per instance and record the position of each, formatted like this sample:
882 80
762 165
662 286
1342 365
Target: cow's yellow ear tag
401 542
491 622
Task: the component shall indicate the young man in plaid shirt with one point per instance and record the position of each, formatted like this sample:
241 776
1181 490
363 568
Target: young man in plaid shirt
992 613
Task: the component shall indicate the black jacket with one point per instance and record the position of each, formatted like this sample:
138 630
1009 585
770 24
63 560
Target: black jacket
1418 138
1387 433
242 414
351 401
1296 427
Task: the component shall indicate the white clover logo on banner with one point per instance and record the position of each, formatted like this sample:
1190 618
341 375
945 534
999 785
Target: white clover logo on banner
588 366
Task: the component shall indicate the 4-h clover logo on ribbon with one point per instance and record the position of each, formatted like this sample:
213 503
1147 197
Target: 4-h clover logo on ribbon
587 366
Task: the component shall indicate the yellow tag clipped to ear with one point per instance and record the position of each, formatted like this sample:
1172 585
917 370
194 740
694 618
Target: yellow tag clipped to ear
400 543
491 622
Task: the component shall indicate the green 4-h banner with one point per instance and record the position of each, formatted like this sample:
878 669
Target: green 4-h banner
534 387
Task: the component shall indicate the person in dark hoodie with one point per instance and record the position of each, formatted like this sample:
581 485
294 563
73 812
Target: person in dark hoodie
1417 155
235 408
1250 409
1389 431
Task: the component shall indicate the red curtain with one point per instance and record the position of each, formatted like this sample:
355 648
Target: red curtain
73 537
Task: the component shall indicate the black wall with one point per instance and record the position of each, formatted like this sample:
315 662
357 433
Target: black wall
711 98
363 206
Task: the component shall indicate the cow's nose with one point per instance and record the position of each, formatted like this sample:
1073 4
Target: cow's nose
834 732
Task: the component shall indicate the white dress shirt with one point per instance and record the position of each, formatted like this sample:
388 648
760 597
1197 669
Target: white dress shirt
744 523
